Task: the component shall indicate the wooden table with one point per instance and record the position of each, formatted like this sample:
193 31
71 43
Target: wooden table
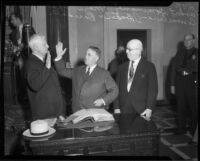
129 135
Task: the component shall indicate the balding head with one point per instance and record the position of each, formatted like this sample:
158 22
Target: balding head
134 49
135 44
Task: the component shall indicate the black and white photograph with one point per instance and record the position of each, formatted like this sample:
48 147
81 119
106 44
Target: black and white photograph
100 79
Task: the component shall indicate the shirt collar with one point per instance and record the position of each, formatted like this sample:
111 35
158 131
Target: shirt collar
38 56
91 68
135 61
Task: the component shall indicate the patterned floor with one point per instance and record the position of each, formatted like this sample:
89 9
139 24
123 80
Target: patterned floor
175 147
165 118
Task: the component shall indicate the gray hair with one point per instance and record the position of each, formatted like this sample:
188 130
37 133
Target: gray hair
96 49
34 40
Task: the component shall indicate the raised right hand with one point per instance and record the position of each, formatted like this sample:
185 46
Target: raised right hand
59 50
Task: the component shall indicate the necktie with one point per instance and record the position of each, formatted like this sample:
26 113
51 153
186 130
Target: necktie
131 71
88 71
130 78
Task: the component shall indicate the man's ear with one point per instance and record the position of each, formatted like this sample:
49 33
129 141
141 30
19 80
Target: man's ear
97 58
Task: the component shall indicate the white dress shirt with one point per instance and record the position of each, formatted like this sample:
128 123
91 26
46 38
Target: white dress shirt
91 68
135 64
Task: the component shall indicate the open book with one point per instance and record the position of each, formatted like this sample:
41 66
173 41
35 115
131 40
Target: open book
92 114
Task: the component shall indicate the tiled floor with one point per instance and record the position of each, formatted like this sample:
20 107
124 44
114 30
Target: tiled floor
174 146
179 149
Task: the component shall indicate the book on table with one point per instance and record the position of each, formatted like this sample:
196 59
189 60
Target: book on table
92 114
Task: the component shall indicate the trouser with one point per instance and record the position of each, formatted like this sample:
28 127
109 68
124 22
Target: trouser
186 93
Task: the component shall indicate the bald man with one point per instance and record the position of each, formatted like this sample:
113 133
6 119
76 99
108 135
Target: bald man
44 90
184 84
137 82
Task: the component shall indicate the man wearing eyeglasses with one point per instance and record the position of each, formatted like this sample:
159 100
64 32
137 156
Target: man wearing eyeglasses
137 82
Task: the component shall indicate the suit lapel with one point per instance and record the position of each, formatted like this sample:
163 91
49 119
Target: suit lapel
83 72
125 74
94 72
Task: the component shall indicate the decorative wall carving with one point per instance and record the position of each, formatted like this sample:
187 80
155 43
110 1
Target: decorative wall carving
181 13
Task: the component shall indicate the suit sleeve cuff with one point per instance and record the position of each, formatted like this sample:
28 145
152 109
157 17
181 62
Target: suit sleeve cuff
117 110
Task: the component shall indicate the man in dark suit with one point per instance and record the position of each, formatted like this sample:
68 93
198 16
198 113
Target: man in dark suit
120 58
20 51
93 86
137 82
184 84
18 61
44 90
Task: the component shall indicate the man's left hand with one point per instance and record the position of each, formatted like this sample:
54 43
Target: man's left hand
146 114
99 102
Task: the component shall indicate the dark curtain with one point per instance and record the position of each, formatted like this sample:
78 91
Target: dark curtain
57 30
24 11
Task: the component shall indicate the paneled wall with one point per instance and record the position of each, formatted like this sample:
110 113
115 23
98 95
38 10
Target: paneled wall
98 25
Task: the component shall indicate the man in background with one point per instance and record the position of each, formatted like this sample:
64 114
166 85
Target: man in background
18 37
17 67
120 58
184 84
93 86
16 34
137 82
113 66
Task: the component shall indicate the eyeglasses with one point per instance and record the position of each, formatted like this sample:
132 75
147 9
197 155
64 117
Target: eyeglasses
188 39
132 49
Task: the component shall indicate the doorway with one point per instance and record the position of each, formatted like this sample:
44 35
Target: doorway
124 35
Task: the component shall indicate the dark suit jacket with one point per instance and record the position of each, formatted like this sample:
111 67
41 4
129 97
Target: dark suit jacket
143 91
85 90
190 67
44 90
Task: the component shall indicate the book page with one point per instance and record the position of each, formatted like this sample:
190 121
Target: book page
100 114
94 114
81 114
74 116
